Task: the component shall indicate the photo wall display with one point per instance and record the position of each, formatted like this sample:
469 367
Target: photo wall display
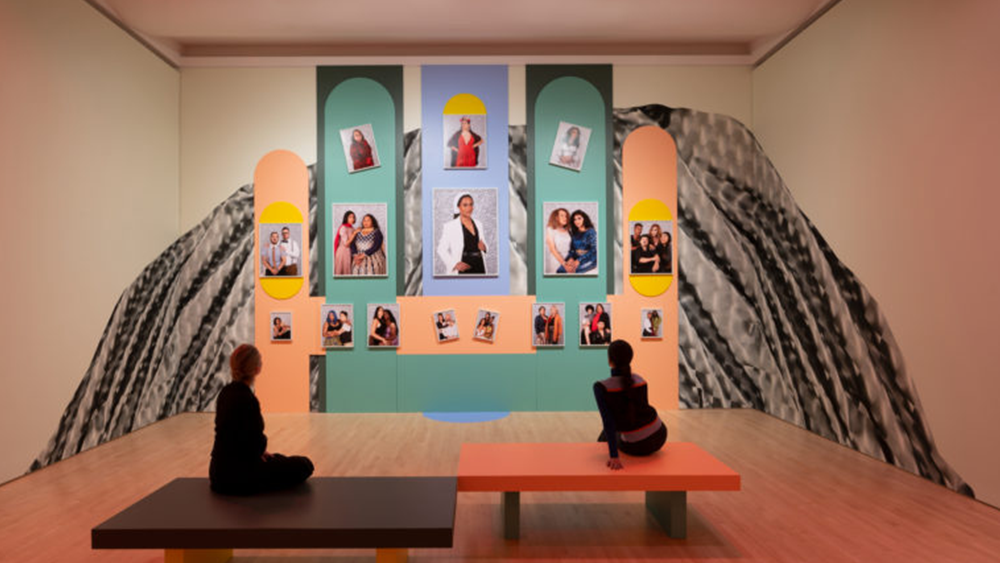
570 147
651 247
445 325
466 227
281 327
360 240
337 326
359 148
464 141
487 325
652 324
547 325
595 324
280 250
383 325
569 242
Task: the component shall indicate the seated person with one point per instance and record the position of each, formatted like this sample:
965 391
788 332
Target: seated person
630 423
241 464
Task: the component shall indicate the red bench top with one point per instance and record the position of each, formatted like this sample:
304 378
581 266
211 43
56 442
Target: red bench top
679 466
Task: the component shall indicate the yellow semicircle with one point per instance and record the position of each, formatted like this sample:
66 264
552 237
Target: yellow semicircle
651 210
464 104
281 288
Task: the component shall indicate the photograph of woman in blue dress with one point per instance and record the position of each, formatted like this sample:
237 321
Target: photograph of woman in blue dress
582 246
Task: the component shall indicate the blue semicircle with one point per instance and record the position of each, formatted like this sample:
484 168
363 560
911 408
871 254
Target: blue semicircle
465 416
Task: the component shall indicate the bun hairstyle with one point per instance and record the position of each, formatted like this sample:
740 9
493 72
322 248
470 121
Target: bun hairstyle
620 354
458 203
244 362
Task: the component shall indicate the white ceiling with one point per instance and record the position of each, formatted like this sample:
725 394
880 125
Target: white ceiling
187 30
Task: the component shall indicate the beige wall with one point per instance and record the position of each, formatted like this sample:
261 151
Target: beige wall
883 118
715 89
88 197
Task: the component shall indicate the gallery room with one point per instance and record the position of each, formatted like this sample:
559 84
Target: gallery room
499 281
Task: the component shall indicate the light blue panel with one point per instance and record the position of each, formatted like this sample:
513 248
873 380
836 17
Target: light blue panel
459 383
438 85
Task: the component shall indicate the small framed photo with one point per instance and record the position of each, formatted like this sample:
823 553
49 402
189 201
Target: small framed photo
652 324
570 146
487 325
570 243
445 325
359 148
595 324
464 141
281 327
280 250
337 326
466 232
383 325
547 328
651 248
360 240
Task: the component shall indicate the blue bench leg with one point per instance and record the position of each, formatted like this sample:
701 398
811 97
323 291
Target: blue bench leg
670 510
510 509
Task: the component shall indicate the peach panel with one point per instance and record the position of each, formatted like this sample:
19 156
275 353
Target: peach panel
417 334
283 385
649 171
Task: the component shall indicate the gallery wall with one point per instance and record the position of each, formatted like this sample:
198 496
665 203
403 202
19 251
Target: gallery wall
887 141
89 152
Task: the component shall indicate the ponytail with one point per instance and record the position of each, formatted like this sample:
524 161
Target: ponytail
620 354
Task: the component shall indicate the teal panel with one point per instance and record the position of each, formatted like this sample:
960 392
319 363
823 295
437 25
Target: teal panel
494 382
361 380
566 380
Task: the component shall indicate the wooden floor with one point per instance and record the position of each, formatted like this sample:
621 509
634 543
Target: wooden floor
804 499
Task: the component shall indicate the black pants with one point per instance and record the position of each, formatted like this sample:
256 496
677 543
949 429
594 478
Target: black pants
647 446
278 472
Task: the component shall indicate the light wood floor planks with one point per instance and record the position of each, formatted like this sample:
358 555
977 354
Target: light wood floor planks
804 499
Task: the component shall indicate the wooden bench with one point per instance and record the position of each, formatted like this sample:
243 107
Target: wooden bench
665 476
192 523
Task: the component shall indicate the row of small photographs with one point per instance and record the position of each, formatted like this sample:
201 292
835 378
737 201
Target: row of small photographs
464 144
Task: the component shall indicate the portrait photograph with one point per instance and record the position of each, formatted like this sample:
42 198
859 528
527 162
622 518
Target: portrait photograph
569 238
466 232
359 148
336 326
383 325
570 146
487 325
360 240
595 324
445 325
652 324
280 250
548 327
651 248
465 141
281 327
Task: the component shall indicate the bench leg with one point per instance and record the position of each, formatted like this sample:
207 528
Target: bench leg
388 555
197 555
670 510
510 509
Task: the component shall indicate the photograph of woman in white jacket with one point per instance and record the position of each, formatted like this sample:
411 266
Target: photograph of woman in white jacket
461 246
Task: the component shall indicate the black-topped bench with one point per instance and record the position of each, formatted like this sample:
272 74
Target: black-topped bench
192 523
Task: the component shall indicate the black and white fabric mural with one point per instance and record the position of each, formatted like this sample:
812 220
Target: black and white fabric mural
770 318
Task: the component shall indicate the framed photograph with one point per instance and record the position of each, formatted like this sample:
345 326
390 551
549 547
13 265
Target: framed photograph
281 327
360 240
464 141
280 250
595 324
651 248
466 232
383 325
570 245
652 324
359 148
445 325
570 146
336 326
487 325
547 325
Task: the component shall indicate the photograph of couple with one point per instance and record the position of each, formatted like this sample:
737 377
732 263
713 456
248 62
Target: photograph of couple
281 327
651 247
383 325
465 232
570 147
652 323
359 148
360 246
337 326
464 141
445 325
280 250
547 324
595 324
569 244
487 325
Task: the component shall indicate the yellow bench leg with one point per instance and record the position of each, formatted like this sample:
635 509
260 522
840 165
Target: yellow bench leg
386 555
197 555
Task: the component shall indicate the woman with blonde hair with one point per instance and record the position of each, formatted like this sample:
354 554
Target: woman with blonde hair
557 241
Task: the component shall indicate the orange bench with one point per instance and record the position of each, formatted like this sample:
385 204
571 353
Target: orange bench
665 476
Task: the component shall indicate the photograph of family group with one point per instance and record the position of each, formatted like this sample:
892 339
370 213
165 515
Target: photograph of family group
281 327
383 325
652 324
359 148
465 231
595 324
651 245
337 326
570 146
569 241
487 325
547 324
464 141
445 325
360 241
280 250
